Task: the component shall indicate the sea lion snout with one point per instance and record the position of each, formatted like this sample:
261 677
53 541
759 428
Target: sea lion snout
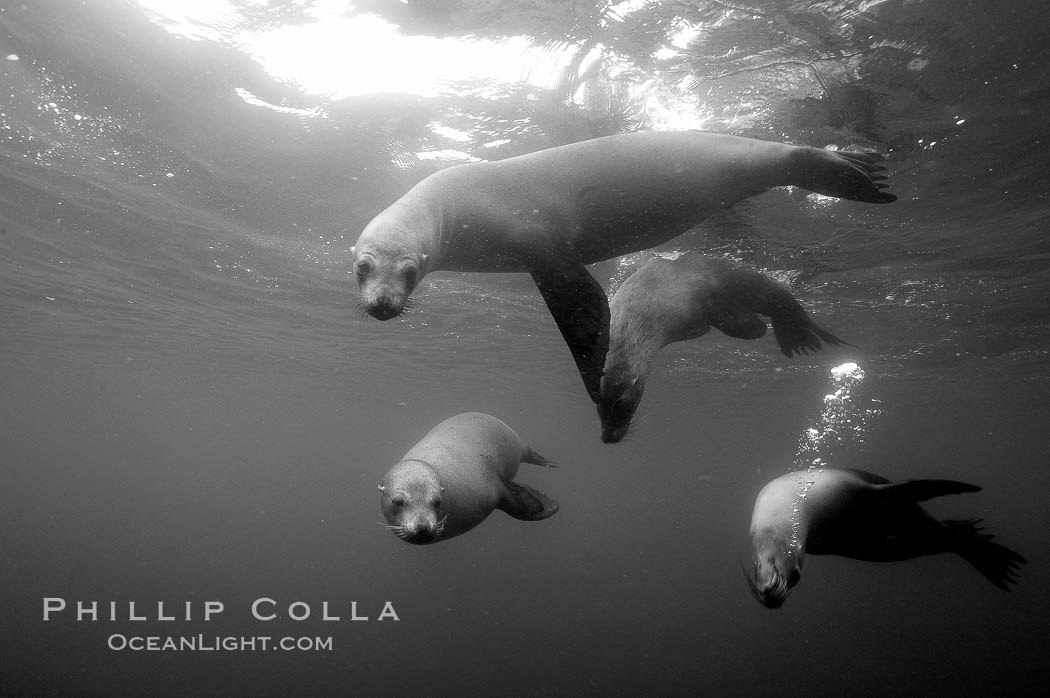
773 578
385 306
413 523
772 592
612 434
386 279
384 296
419 531
616 408
616 420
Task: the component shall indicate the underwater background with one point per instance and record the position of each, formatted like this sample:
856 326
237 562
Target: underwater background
193 408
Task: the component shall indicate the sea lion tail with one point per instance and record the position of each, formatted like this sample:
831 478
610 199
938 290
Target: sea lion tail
1000 565
524 503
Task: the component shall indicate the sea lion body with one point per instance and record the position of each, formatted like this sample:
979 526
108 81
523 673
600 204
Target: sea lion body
553 211
669 301
455 476
863 516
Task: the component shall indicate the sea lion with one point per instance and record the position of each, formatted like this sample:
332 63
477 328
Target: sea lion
455 476
862 516
670 301
551 212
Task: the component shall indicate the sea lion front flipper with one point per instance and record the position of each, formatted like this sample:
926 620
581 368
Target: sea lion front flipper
581 311
795 331
921 490
536 459
523 502
803 337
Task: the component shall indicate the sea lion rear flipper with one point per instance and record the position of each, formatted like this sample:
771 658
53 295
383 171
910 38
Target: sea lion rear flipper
581 311
523 502
842 174
921 490
1000 565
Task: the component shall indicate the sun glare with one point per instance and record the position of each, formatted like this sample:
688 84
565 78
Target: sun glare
193 19
339 56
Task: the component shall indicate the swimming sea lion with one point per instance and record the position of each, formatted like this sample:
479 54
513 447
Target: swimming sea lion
863 516
551 212
455 476
673 300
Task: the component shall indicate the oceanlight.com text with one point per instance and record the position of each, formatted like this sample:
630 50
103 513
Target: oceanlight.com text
217 643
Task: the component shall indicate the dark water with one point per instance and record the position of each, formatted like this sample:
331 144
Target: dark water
193 410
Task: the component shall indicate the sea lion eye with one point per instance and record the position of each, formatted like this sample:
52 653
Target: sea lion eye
363 268
437 502
411 273
398 500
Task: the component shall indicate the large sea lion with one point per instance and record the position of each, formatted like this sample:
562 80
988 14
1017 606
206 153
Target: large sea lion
673 300
551 212
455 476
862 516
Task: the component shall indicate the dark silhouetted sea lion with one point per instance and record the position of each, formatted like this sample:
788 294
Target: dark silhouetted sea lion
863 516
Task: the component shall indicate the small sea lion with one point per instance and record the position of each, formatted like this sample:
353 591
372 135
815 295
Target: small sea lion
456 476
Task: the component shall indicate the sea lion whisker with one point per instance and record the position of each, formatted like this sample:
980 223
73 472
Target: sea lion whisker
397 529
752 582
407 306
635 424
358 308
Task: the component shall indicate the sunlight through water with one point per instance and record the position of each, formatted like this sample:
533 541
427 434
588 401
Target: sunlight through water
345 56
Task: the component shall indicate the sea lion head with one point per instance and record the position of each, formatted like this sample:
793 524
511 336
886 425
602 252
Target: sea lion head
387 272
776 572
619 398
410 496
